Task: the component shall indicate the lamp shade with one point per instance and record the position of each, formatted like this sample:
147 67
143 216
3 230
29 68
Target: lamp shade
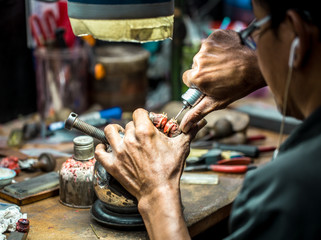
122 20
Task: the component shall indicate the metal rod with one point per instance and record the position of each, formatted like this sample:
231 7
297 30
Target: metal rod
74 122
179 113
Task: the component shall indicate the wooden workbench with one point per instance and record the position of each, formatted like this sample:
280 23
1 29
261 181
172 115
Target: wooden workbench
204 206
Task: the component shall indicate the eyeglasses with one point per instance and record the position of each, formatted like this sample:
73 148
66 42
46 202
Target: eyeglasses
246 34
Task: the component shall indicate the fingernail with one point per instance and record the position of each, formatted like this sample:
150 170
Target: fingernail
187 127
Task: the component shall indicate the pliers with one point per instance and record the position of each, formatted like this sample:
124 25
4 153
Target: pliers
212 160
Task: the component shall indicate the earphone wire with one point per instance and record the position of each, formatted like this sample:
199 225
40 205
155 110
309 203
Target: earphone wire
286 93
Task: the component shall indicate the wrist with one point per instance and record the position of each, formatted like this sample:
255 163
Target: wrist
162 214
159 197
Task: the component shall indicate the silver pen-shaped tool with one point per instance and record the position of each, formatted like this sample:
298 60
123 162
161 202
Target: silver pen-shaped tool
190 98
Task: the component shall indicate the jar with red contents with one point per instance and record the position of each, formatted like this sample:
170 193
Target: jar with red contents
76 175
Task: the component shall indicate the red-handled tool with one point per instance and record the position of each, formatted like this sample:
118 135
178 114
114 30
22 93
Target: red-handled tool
51 23
43 28
235 161
220 168
38 31
230 169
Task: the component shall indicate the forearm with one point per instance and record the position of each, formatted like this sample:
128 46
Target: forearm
162 214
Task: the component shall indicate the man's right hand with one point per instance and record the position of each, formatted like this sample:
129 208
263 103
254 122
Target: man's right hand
225 71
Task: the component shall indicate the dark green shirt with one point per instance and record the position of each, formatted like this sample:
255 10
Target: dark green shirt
282 200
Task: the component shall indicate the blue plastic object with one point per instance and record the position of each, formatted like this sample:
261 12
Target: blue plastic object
109 113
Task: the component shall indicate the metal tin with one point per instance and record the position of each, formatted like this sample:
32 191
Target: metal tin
76 175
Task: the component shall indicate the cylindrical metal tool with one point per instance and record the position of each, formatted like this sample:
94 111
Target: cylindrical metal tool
190 98
74 122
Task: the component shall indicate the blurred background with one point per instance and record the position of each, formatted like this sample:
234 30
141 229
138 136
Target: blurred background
47 70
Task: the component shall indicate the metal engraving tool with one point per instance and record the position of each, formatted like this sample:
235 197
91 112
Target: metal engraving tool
190 98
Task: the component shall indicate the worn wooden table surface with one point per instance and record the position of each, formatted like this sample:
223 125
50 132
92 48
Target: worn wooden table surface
204 206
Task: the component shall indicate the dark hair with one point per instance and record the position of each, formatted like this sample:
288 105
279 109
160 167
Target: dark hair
308 9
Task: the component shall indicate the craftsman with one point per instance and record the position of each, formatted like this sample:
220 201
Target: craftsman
280 200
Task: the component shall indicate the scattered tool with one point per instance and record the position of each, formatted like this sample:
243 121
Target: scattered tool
220 168
18 235
194 178
190 98
213 160
247 150
43 31
46 163
32 190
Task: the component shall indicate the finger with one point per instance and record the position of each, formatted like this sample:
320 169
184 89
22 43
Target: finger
129 133
129 126
194 130
112 134
143 124
103 157
140 116
189 76
204 107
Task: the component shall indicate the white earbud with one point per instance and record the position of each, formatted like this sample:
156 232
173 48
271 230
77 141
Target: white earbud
294 45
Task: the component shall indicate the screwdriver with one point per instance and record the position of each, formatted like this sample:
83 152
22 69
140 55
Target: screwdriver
190 98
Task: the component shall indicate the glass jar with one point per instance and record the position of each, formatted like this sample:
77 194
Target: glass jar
76 175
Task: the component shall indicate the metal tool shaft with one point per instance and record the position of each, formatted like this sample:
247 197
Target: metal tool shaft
179 113
74 122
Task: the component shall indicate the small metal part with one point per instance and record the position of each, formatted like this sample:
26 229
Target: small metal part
74 122
190 98
46 162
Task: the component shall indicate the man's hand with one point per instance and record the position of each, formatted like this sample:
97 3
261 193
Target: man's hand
149 165
225 71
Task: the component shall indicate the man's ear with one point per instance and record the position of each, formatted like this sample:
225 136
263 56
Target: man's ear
301 32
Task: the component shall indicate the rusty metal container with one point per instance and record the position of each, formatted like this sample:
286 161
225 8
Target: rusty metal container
76 175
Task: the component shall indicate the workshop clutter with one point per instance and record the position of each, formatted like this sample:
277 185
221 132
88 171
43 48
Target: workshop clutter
11 219
74 72
48 24
120 76
62 79
61 61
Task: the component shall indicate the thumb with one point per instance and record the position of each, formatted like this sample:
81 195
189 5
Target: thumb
193 116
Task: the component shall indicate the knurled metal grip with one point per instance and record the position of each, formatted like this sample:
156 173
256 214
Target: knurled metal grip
191 97
74 122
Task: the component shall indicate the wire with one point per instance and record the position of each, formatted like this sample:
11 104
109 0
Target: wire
286 93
